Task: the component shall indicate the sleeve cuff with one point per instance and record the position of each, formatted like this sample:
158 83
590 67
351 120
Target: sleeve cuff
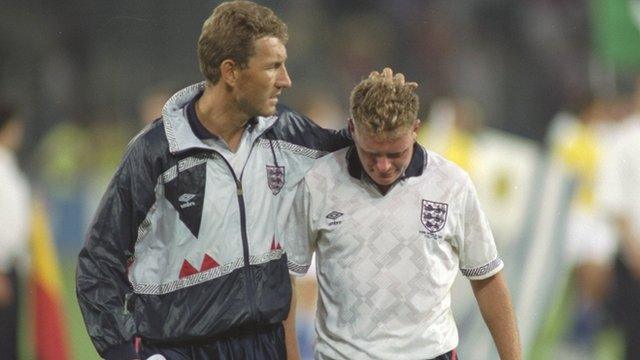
484 271
121 352
296 269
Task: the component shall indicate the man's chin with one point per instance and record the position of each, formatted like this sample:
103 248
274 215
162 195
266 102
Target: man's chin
385 181
268 111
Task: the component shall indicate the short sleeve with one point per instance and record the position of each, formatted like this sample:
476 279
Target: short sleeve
477 252
299 236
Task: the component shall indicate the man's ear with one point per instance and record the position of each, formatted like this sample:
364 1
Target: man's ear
350 126
416 125
415 128
229 72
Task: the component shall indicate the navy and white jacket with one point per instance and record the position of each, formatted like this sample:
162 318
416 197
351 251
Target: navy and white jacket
183 249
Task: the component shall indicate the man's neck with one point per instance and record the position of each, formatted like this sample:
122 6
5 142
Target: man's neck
383 188
219 114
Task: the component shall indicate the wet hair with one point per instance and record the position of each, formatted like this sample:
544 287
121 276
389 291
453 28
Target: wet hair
384 107
230 33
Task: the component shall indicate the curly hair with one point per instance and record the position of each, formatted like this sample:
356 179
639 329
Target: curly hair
384 106
230 33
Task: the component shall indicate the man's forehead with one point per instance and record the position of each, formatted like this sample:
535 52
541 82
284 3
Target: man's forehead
385 143
270 46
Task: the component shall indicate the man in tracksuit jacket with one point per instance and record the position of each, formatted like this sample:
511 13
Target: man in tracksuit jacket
184 257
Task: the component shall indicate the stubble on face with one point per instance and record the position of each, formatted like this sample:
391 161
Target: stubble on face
264 78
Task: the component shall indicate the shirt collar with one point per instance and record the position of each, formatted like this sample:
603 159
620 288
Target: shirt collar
416 166
200 130
178 130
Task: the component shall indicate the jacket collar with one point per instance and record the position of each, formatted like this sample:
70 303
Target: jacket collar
180 135
416 167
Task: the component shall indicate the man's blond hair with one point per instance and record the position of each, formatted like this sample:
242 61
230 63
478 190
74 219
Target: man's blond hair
230 33
384 106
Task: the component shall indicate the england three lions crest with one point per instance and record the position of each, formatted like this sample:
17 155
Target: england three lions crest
275 178
434 215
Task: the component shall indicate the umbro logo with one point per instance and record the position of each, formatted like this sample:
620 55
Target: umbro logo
334 216
185 199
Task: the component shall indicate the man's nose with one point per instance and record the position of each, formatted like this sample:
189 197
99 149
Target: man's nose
383 164
283 80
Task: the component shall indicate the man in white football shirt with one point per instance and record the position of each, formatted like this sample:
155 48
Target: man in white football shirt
391 224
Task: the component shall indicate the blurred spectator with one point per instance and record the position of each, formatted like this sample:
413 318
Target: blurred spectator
578 141
453 129
620 192
14 228
64 155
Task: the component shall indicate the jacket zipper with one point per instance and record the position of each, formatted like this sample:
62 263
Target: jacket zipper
245 249
249 285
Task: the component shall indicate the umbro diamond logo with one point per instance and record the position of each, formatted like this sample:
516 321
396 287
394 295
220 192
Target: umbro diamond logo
185 199
334 215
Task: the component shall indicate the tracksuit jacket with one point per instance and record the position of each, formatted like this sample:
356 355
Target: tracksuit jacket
182 249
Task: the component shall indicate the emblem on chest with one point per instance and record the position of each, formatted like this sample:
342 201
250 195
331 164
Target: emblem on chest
275 178
434 215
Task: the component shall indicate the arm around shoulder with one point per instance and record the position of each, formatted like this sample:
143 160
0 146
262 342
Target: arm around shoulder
299 129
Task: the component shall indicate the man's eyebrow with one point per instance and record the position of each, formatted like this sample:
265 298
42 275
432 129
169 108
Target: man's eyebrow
377 153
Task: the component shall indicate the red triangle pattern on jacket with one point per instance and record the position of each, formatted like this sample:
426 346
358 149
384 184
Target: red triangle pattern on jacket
208 263
187 269
274 244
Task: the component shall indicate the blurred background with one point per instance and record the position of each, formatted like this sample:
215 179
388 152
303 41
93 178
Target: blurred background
527 96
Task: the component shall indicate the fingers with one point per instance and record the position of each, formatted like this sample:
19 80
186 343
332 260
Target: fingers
412 85
398 78
388 73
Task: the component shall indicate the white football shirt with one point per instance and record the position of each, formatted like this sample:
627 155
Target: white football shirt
619 186
386 263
